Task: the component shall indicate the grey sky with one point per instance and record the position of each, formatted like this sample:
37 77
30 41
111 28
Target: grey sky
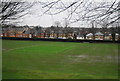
34 17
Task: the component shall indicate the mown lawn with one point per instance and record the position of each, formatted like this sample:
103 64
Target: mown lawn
59 60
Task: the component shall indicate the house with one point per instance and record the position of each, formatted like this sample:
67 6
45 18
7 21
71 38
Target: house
13 31
98 36
89 36
35 32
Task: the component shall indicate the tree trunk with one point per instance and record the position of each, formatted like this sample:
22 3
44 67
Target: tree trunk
44 35
93 36
32 35
57 35
66 35
75 36
15 34
113 37
104 36
84 36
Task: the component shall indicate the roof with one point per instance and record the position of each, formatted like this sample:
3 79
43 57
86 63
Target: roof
116 34
29 31
99 33
90 34
33 31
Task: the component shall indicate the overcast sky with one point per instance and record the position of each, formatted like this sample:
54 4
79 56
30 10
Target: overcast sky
35 18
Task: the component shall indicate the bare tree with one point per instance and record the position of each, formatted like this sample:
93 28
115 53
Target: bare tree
66 29
104 24
57 25
93 29
118 30
84 10
48 32
12 10
112 29
84 32
115 31
66 23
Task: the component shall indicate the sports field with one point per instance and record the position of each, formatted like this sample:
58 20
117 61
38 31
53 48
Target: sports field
59 60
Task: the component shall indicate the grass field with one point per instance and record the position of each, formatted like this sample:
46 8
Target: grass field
59 60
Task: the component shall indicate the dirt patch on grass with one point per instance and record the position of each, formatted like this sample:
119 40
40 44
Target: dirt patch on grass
92 59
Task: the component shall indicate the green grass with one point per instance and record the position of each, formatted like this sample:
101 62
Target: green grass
59 60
